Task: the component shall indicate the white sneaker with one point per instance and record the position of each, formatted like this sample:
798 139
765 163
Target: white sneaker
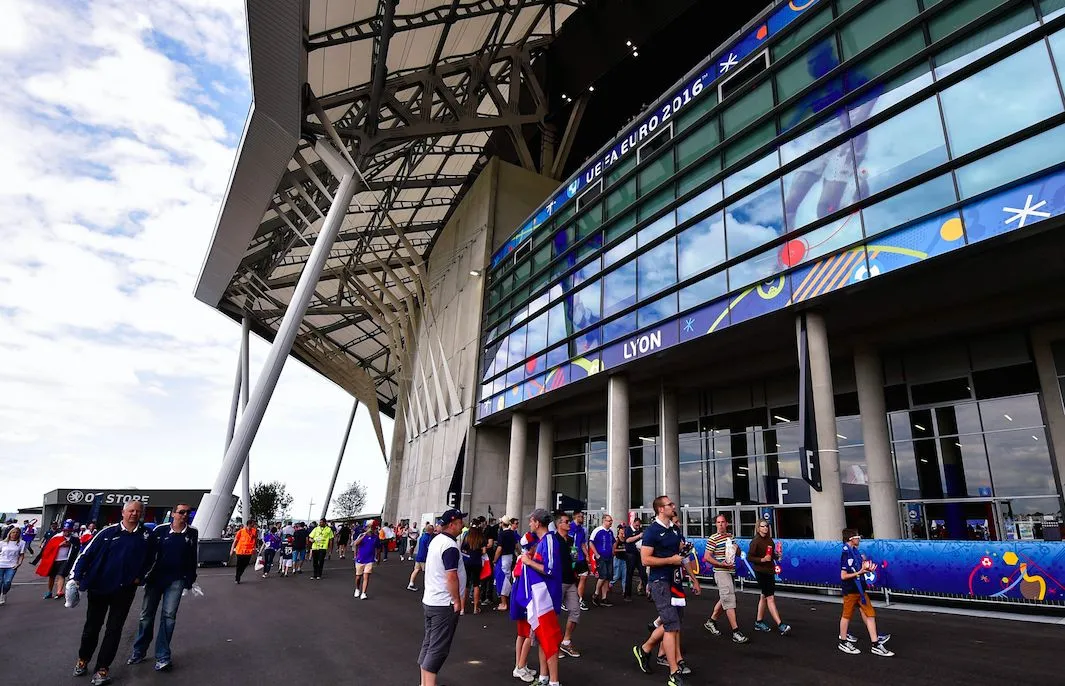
3 599
357 593
525 674
364 596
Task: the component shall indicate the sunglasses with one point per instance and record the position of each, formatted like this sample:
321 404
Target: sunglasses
181 512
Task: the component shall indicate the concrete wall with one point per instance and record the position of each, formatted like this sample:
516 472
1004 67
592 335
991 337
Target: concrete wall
422 467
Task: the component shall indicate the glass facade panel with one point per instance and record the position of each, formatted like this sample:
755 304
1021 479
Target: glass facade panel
619 252
747 108
819 187
1015 162
703 291
916 202
802 32
654 173
622 326
620 198
754 220
583 307
876 22
822 133
657 269
664 307
619 289
697 143
1004 97
701 246
803 70
751 173
700 203
536 336
699 175
900 148
753 140
658 227
985 40
1020 462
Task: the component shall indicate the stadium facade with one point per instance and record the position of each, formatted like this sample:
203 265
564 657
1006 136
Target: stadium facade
882 177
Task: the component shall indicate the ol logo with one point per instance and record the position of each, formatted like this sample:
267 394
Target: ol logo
75 497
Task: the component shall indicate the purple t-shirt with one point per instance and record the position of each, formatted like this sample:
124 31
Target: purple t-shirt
364 551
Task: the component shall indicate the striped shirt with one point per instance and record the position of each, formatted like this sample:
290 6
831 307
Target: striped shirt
715 546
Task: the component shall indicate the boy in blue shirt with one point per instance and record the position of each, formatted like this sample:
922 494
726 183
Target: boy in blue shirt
853 568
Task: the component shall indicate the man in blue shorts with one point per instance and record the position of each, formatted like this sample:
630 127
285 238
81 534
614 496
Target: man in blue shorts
602 549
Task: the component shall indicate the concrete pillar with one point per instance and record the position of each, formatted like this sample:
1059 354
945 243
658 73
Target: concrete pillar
617 441
828 515
1050 393
669 436
545 453
883 487
519 427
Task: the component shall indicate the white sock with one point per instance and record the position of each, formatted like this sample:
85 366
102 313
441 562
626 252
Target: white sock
566 643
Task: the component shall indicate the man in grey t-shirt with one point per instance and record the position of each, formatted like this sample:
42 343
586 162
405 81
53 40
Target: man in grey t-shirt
444 596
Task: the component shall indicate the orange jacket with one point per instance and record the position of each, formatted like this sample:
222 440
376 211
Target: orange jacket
246 541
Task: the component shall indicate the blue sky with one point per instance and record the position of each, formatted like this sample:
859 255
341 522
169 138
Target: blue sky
123 126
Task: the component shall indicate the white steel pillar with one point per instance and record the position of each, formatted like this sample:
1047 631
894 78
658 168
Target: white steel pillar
669 433
828 514
519 426
245 385
340 458
617 450
213 511
545 453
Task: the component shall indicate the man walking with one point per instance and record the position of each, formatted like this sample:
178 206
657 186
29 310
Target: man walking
108 570
444 596
542 584
244 545
602 548
721 554
661 550
321 539
173 571
633 534
343 538
29 532
299 546
571 600
580 554
365 548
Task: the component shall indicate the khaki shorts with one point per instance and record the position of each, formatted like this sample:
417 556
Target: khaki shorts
363 568
853 600
726 589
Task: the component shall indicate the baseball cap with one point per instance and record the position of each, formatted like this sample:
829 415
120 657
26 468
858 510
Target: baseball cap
450 516
541 515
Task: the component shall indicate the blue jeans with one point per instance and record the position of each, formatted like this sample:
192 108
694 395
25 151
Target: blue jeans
619 571
171 597
6 576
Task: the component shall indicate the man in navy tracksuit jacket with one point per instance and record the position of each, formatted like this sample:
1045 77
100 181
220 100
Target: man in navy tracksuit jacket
173 571
108 570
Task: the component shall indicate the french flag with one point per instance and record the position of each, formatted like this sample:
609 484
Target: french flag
502 579
543 595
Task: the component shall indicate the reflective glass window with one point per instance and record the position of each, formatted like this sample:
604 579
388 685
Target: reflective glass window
588 340
1004 97
583 307
960 13
620 226
563 240
696 177
754 270
754 220
697 142
621 168
805 142
916 202
880 19
691 113
802 32
656 228
751 173
985 40
966 473
1020 462
704 291
748 143
1051 8
590 221
1015 162
536 338
747 108
656 202
701 246
620 198
803 70
556 325
823 241
1057 46
557 356
657 269
619 252
887 94
620 327
700 203
820 187
619 289
900 148
1019 412
516 346
655 172
656 311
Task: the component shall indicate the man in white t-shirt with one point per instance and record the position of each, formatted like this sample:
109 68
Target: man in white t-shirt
443 599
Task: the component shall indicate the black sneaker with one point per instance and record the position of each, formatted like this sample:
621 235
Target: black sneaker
662 661
643 660
80 668
163 665
605 603
711 626
595 602
135 659
564 608
651 627
738 637
675 679
683 668
584 605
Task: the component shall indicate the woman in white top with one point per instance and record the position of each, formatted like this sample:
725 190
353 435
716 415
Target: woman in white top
12 553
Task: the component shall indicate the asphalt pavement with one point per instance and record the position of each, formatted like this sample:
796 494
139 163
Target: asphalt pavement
299 631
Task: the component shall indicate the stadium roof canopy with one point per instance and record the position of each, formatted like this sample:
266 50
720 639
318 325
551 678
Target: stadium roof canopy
419 94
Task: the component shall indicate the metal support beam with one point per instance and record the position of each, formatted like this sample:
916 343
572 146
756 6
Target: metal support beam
568 136
340 458
245 384
212 512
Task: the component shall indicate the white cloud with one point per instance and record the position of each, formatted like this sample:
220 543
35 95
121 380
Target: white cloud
118 123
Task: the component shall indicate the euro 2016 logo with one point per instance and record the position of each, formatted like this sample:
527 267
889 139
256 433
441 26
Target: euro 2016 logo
75 497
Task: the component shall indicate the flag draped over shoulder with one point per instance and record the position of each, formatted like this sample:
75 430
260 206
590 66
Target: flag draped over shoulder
486 568
502 579
543 595
49 554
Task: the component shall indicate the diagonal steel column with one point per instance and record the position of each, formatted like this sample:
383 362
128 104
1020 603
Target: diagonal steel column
245 388
213 510
340 458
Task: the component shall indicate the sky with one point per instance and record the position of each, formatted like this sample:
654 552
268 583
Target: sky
119 122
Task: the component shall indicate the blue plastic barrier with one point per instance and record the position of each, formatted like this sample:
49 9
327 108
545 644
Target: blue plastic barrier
1023 571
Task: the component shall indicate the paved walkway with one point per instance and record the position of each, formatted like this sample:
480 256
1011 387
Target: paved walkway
298 631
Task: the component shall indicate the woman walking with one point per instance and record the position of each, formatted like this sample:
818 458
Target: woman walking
473 551
762 554
271 544
56 559
12 554
244 545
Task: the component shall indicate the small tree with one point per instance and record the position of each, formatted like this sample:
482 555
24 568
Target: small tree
350 501
267 499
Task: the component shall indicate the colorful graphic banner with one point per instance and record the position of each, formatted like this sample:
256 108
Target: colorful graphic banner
713 70
1023 571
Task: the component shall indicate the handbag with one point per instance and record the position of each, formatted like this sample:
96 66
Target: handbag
259 563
